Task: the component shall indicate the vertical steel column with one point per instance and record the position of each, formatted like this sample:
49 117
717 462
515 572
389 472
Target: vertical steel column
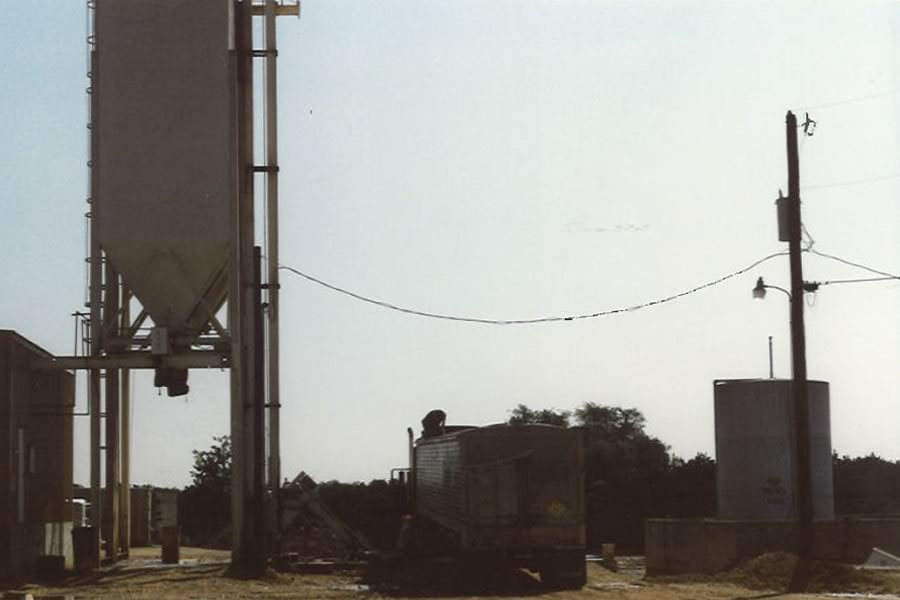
125 441
274 396
259 406
247 552
111 326
95 300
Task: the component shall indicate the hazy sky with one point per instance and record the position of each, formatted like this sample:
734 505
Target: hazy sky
514 160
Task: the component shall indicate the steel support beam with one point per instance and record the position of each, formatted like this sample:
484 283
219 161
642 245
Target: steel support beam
125 439
95 327
247 549
273 341
111 504
280 10
135 360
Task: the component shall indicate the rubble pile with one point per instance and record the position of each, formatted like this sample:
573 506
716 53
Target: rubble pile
310 530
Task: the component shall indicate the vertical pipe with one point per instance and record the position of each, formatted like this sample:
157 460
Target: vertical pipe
96 285
274 396
798 339
771 361
125 441
110 326
247 554
259 404
234 317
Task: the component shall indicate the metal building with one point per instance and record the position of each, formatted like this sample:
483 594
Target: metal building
756 473
35 458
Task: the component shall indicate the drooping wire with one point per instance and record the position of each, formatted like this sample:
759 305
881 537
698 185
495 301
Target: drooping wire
884 274
890 92
864 280
602 313
810 240
822 186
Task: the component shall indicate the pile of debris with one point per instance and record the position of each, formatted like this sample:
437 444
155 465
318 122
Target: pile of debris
775 570
310 531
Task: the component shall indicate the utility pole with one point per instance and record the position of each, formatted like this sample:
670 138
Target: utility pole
803 471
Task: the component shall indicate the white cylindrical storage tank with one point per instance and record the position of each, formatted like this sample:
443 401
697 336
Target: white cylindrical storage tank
755 450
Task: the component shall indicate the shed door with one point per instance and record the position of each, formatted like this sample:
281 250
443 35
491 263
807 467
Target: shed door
20 474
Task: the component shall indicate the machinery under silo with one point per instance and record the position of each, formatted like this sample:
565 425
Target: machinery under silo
756 474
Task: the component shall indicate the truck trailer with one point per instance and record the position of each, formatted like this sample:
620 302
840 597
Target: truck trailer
506 493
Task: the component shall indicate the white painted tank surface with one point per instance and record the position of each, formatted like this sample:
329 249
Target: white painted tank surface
755 457
164 85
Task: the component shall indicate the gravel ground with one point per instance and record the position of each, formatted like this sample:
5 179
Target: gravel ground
202 575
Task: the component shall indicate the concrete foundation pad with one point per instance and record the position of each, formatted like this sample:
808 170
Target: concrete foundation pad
713 545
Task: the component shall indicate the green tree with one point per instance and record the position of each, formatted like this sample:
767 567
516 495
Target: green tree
866 485
629 475
212 467
371 508
625 474
691 491
205 505
522 415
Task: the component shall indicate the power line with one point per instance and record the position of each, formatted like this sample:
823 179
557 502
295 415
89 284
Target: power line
890 92
851 182
868 279
603 313
885 274
811 241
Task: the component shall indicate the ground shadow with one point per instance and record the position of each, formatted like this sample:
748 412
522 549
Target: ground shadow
446 577
170 574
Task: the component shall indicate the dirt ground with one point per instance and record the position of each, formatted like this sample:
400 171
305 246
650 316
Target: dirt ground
202 575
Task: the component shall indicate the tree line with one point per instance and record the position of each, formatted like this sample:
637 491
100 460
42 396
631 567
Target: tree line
629 476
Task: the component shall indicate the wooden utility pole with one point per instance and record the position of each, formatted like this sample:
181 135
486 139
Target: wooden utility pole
803 473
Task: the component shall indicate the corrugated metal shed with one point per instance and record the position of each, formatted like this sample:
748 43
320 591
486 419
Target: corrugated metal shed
35 457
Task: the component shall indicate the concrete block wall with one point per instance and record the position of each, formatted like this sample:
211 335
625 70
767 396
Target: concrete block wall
713 545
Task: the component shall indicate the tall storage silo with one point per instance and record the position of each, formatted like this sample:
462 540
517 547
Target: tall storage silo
164 86
756 472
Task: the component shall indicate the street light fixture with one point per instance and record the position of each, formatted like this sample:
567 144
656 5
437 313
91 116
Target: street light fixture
759 292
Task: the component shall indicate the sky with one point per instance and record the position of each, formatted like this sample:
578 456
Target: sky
513 160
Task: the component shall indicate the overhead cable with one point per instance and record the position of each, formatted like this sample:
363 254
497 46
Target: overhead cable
821 186
885 274
865 280
577 317
890 92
